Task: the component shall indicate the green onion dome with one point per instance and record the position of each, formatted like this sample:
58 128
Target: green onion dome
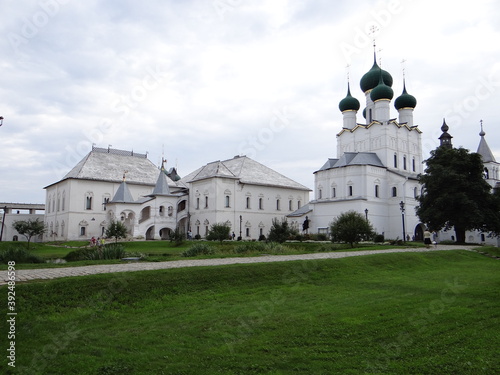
381 91
405 100
364 113
371 79
349 102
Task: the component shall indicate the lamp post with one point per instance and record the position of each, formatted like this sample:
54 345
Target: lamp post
402 207
366 214
241 219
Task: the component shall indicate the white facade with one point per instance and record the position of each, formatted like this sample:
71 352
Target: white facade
377 164
117 185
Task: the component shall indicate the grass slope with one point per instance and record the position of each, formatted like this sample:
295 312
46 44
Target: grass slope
411 313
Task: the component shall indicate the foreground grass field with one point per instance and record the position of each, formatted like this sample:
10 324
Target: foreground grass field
411 313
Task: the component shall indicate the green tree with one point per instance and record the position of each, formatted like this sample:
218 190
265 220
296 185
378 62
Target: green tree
29 228
116 230
218 232
351 227
456 195
280 231
177 236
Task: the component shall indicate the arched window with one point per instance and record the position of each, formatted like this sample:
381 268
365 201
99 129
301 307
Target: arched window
248 202
261 204
350 190
227 201
394 191
404 162
278 204
395 161
376 191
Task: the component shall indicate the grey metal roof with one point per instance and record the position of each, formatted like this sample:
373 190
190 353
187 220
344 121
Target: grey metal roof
161 187
247 170
110 166
485 152
123 194
353 158
300 212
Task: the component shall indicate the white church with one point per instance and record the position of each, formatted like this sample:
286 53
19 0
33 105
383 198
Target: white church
375 173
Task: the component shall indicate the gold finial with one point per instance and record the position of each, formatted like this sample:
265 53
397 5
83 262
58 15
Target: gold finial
403 67
347 68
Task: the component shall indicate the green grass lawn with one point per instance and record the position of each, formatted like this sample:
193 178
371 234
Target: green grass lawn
403 313
157 251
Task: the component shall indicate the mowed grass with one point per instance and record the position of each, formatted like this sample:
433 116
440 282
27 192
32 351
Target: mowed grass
403 313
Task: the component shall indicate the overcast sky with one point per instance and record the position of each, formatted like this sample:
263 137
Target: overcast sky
198 81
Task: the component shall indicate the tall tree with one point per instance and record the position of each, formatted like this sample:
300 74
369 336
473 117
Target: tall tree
29 228
351 227
456 195
116 230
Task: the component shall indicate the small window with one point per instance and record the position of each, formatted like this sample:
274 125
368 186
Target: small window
247 232
277 204
206 202
88 203
290 205
376 191
261 204
404 163
394 192
320 194
334 192
82 231
248 202
299 204
197 203
415 192
227 201
413 165
350 190
395 161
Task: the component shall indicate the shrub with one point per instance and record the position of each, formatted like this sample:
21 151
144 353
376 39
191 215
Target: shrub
78 254
280 231
219 232
109 251
198 249
197 237
379 238
248 247
321 237
262 237
19 255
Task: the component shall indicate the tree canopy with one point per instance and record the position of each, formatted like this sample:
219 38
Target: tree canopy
456 195
219 232
29 228
116 230
351 227
280 231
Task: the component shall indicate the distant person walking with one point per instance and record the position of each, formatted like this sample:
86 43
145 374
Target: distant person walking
427 238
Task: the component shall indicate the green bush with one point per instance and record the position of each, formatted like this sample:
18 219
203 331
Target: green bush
275 248
262 237
249 247
198 249
19 255
78 254
378 238
109 251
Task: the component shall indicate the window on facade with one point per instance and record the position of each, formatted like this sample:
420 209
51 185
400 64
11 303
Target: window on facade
247 232
261 232
197 203
350 190
63 201
415 192
413 165
206 202
58 203
198 230
298 204
370 115
227 201
334 192
248 202
170 209
261 204
82 231
206 230
320 194
394 192
105 201
88 203
290 205
54 204
376 191
395 161
404 163
277 204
